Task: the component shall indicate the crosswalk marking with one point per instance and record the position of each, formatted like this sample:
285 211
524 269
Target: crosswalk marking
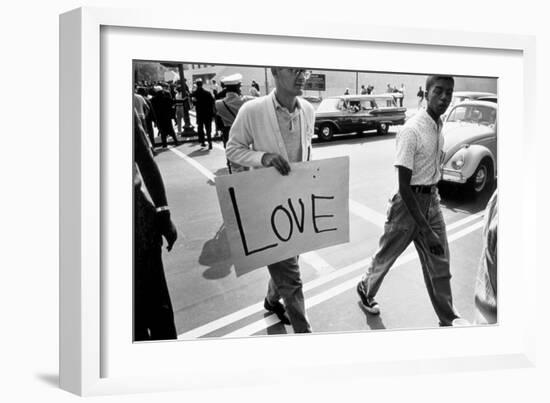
320 265
367 213
326 272
338 289
193 163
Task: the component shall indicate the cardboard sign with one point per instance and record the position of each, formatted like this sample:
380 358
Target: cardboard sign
270 217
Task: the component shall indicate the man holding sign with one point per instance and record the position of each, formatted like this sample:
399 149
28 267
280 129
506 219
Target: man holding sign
273 131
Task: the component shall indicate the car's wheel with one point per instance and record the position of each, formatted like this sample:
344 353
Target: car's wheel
482 179
383 128
326 132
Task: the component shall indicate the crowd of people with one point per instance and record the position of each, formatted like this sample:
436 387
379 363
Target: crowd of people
166 106
275 130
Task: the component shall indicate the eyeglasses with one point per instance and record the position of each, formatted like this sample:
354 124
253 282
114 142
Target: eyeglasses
297 72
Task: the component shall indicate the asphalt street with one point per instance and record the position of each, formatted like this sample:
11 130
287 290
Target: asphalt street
213 299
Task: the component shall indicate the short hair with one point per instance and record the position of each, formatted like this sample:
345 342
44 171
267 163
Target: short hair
430 81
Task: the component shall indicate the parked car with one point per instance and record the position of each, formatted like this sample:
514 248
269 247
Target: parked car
470 133
489 98
356 114
461 96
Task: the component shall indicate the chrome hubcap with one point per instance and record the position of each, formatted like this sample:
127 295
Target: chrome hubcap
480 179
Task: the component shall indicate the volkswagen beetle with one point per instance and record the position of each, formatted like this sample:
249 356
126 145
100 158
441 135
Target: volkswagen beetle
470 133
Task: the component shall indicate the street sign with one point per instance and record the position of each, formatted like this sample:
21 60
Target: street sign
316 82
269 217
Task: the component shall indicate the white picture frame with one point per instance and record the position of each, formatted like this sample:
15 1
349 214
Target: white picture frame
91 356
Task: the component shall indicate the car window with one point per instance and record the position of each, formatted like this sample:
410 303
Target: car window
457 114
330 105
479 114
368 104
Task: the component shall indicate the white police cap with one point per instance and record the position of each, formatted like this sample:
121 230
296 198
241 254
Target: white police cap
233 79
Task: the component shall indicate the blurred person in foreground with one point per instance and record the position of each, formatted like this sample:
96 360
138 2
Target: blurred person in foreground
146 114
414 213
273 131
486 282
153 313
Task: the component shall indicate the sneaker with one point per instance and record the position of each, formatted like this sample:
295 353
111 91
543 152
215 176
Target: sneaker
370 305
278 309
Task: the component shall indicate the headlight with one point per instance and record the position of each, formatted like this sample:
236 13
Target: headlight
459 159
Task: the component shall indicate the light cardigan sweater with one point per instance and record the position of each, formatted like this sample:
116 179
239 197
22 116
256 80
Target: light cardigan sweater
255 132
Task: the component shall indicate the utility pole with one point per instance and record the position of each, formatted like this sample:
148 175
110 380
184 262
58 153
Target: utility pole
188 131
266 85
357 82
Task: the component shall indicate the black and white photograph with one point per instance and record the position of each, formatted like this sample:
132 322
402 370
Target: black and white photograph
281 200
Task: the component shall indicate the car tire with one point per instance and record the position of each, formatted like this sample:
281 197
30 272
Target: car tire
326 132
482 178
383 129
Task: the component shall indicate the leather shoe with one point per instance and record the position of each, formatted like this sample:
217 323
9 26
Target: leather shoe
278 309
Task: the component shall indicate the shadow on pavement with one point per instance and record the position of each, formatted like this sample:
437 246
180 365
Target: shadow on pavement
199 152
457 198
277 328
216 254
374 322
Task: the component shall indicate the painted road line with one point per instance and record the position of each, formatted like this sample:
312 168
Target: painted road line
367 213
464 221
328 272
194 164
340 288
222 322
311 285
320 265
312 258
378 219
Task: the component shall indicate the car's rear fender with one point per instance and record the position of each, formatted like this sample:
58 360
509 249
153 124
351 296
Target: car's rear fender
321 122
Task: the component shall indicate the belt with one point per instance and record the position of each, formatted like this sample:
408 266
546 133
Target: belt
426 189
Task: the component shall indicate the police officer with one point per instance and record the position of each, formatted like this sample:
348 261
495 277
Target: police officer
228 107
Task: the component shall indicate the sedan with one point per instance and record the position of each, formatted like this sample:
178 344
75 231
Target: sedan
356 114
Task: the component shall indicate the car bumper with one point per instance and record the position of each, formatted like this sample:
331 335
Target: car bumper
450 175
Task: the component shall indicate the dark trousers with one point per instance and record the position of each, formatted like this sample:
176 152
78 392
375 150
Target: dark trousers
286 283
166 130
204 124
153 313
